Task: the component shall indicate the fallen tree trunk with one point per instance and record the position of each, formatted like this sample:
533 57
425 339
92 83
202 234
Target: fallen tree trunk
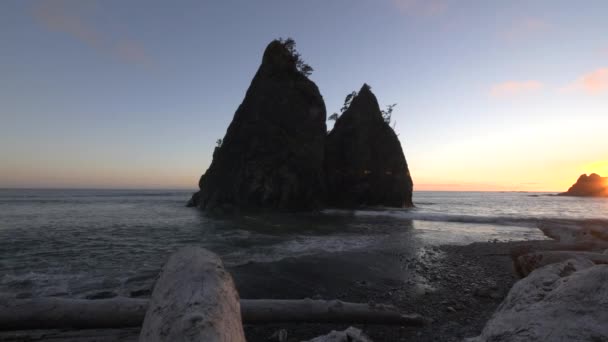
66 313
194 299
588 246
323 311
527 263
547 246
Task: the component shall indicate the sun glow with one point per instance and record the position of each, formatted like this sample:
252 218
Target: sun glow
599 167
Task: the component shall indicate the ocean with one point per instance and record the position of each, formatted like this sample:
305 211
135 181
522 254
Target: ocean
86 243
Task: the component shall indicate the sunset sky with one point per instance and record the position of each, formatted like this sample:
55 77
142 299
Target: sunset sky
492 95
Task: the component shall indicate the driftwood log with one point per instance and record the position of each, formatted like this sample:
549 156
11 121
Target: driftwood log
323 311
194 299
527 263
596 246
66 313
590 245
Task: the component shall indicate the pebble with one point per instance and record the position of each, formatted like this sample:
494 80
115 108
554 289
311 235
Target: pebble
279 336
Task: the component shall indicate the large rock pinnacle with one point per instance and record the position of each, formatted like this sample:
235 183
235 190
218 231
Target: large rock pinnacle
272 154
364 162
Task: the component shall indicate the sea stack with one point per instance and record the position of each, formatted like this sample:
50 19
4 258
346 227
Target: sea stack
589 186
364 162
272 154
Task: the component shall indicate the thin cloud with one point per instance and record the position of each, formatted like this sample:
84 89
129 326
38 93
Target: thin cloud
421 7
593 83
525 29
514 88
70 17
131 51
57 15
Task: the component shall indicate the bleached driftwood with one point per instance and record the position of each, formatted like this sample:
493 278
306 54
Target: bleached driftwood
57 313
194 299
324 311
565 301
349 335
529 262
589 245
551 246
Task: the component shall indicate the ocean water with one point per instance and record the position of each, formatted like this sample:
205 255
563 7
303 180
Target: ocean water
76 243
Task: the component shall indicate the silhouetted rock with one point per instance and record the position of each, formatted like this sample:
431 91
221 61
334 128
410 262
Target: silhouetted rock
272 154
589 186
364 162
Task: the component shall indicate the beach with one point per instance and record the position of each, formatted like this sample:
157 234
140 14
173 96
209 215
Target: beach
447 259
457 287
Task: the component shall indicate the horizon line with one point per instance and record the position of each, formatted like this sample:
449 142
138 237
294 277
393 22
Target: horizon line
194 189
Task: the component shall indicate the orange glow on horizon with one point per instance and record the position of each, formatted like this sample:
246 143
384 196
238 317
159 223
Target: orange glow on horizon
541 176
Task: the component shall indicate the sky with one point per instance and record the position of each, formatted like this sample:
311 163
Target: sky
491 95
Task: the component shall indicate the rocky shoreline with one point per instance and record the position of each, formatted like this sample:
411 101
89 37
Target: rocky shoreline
457 287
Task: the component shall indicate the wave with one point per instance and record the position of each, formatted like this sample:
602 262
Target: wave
521 221
63 195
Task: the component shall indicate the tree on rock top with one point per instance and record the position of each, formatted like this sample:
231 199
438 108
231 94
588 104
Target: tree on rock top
364 161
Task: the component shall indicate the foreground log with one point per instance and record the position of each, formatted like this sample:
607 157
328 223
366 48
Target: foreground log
66 313
323 311
527 263
194 299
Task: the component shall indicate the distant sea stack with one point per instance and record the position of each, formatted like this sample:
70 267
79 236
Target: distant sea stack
364 162
272 154
589 186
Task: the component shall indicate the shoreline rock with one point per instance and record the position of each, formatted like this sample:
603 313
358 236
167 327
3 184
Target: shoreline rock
588 186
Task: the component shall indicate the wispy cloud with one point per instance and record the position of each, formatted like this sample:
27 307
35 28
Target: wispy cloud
593 83
525 28
421 7
73 18
514 88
